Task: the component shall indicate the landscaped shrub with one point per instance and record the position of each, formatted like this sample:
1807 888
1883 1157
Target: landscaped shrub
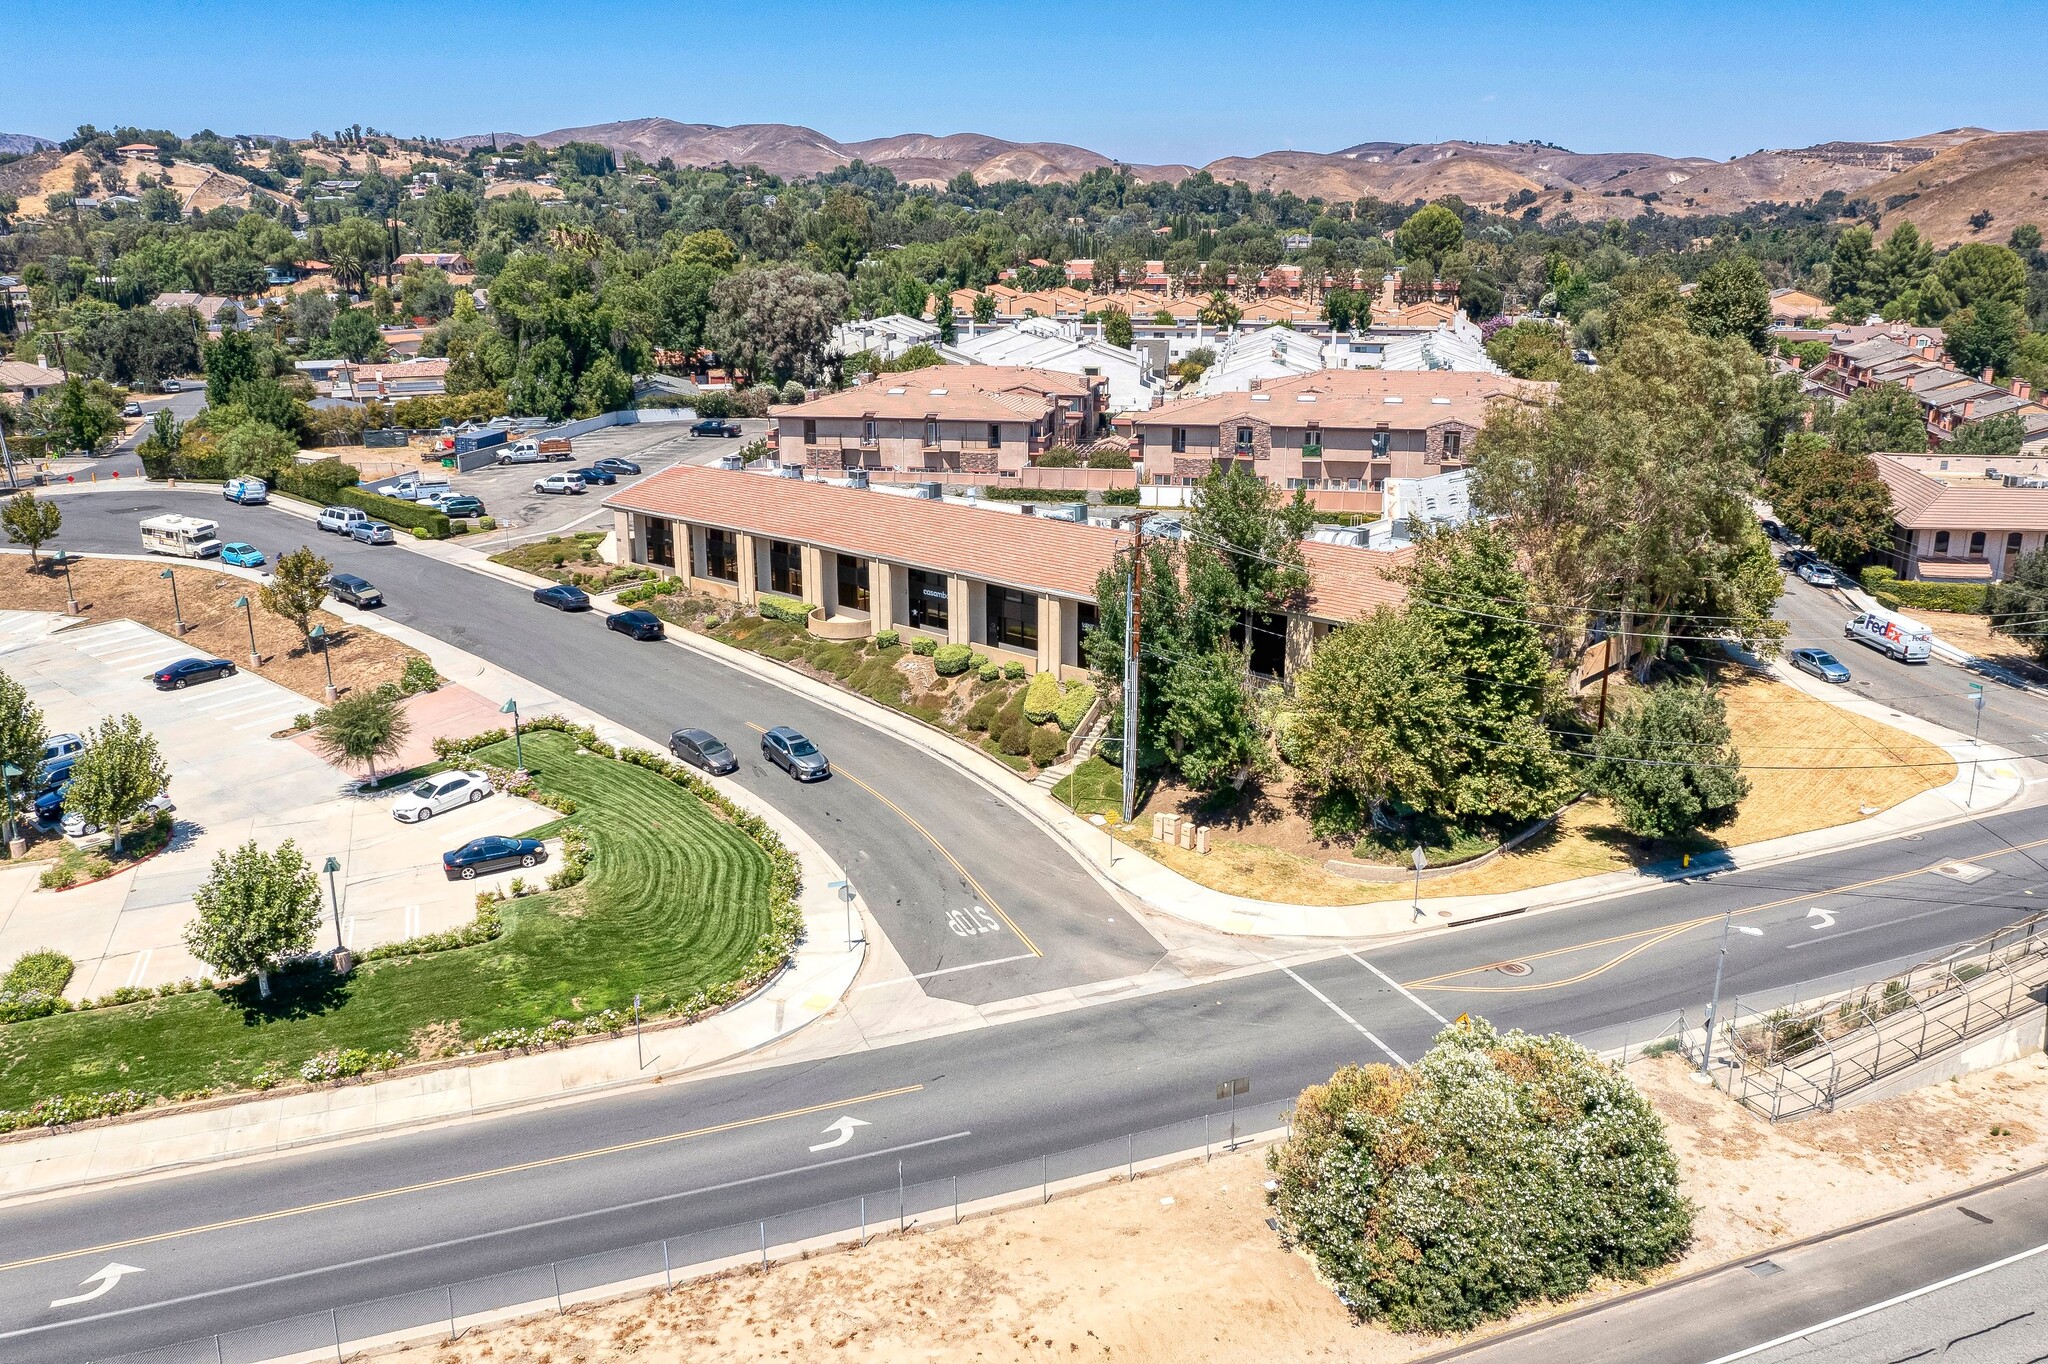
976 660
982 711
1014 671
990 673
1015 737
924 646
419 676
786 609
1033 495
648 591
1496 1171
1120 497
1047 746
887 639
1074 705
950 660
47 970
1042 698
1893 592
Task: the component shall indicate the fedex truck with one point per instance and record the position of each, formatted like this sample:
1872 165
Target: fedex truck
1906 640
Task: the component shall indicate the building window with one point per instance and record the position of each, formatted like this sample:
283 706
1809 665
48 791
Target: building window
867 432
853 582
1086 620
1941 542
721 555
1382 444
1454 442
928 600
1013 619
1244 439
931 430
785 568
995 435
2012 545
810 431
1976 544
661 542
1180 440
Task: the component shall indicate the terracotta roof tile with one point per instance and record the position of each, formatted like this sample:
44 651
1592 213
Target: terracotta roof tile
1923 503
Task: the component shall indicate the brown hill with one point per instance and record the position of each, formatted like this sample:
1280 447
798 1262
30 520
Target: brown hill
2003 174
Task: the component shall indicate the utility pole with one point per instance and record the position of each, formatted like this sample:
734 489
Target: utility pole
1134 596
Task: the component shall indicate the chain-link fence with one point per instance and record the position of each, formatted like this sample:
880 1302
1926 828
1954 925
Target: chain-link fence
909 1199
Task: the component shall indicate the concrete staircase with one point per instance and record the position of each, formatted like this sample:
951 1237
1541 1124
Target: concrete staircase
1057 773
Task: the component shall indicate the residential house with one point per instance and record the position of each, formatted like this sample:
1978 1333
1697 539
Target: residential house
1796 306
403 379
887 337
1068 347
25 382
136 151
454 262
1019 588
1968 532
1337 431
984 419
1949 398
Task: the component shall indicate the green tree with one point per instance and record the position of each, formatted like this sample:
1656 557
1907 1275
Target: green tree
256 449
1985 335
159 449
454 217
1668 763
604 387
231 362
363 727
1207 722
1116 326
253 908
1852 276
1255 531
1732 299
1999 435
355 247
543 385
1220 311
1376 715
1431 234
1531 349
984 309
1882 418
774 322
120 771
22 736
32 521
1902 265
1976 273
83 419
1498 1171
2019 605
1834 501
297 588
353 335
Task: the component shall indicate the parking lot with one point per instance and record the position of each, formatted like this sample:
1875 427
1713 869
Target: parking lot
231 782
522 514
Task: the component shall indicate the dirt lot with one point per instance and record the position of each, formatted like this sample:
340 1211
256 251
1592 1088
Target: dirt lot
111 589
1787 739
1181 1267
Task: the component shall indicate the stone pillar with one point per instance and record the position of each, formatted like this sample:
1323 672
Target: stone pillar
814 575
1052 620
750 569
1301 633
882 593
959 611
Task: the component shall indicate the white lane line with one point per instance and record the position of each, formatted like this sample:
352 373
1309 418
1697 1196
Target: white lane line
275 719
1338 1009
222 700
1397 986
1875 1307
136 972
943 971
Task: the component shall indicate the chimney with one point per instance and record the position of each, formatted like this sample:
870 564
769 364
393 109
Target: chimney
2022 390
1986 375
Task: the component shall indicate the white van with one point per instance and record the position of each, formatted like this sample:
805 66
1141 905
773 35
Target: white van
341 520
247 491
1906 640
188 537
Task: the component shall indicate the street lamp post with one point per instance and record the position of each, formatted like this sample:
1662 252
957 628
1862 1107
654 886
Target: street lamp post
1421 861
319 633
342 960
255 659
16 844
63 561
1976 742
511 708
1706 1076
176 610
845 889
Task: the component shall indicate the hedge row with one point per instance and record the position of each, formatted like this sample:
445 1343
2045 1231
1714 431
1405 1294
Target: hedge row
783 609
1893 591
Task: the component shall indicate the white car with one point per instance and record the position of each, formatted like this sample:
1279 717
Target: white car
559 483
78 826
438 794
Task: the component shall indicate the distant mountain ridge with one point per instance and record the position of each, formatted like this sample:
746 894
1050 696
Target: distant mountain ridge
1517 177
21 144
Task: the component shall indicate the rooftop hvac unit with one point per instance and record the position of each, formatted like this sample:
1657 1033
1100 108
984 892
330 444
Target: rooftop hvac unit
928 491
731 462
790 471
856 478
1028 508
1068 511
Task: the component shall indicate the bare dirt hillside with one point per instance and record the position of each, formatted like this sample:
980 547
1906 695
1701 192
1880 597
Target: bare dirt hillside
2003 174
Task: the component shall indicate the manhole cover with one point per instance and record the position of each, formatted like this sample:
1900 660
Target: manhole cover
1764 1269
1510 968
1969 873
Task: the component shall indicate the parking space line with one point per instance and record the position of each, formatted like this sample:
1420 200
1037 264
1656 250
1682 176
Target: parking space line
222 700
141 966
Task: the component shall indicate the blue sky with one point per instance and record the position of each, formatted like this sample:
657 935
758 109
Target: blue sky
1140 80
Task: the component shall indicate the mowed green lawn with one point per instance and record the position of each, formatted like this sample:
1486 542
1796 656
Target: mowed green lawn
675 901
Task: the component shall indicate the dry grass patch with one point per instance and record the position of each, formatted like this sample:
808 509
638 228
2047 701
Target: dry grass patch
117 589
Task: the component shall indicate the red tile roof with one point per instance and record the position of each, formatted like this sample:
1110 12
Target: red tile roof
1923 503
954 392
1355 398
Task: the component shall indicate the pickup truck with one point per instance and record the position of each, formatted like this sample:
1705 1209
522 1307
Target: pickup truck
714 426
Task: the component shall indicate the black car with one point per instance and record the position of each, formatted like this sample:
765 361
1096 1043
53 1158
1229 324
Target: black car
794 754
596 473
1795 559
1772 529
353 590
563 597
176 676
612 464
493 852
638 624
459 506
715 426
702 748
49 805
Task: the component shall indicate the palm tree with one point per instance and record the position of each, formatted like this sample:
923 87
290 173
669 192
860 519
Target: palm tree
361 728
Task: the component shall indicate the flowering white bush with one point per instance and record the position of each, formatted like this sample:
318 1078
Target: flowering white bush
1496 1170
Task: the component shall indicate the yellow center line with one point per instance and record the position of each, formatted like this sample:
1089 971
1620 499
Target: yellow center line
965 874
1651 937
453 1180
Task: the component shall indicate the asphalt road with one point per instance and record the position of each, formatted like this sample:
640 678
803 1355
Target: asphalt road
918 839
1964 1281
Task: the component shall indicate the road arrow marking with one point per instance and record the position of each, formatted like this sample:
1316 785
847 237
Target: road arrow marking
1826 917
106 1279
844 1127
